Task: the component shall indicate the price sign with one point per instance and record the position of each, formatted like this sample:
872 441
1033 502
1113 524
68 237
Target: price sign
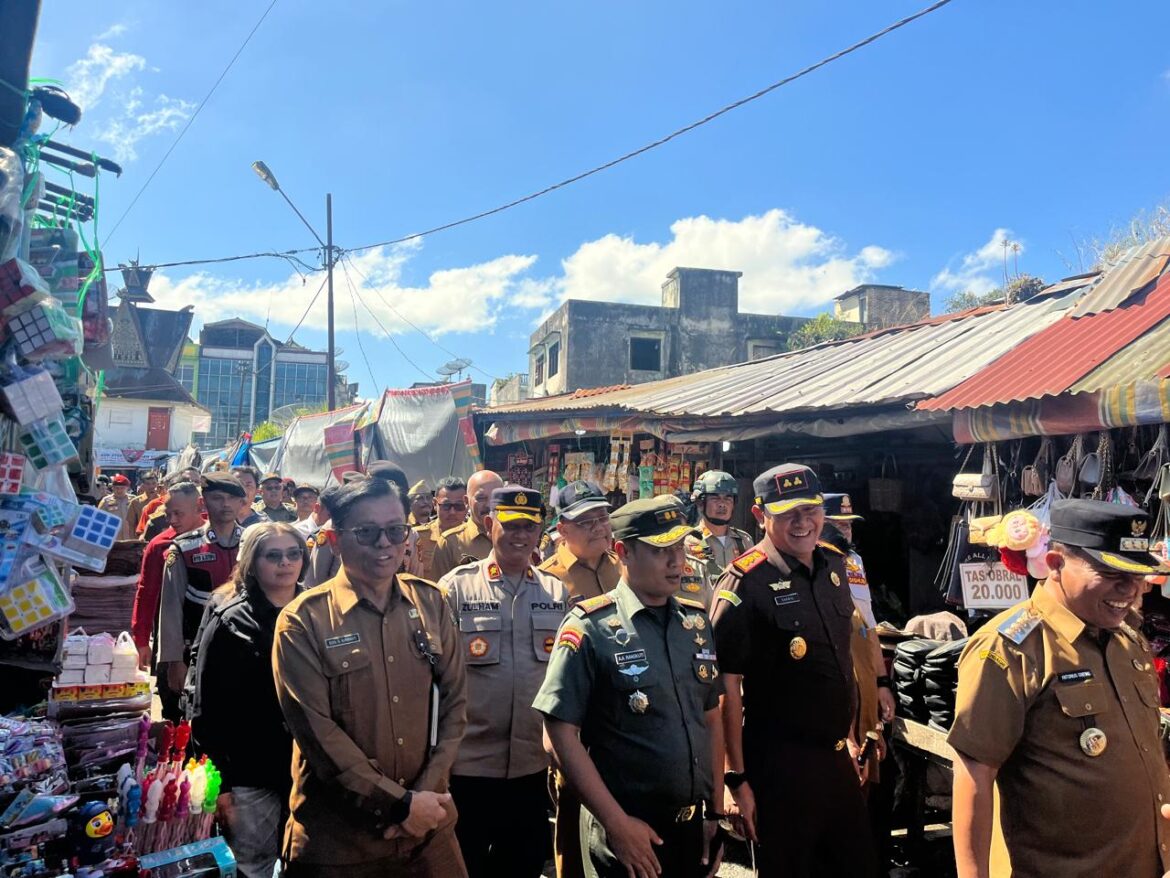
990 586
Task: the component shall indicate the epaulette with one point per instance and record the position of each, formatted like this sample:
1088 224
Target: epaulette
419 528
692 603
1019 624
190 539
823 545
311 542
592 605
410 577
451 530
749 560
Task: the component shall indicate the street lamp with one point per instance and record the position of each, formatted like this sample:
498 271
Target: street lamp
264 173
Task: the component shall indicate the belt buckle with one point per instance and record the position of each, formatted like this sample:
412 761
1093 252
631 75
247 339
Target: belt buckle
685 815
840 745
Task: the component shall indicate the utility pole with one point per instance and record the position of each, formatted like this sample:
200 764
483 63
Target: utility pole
331 374
242 368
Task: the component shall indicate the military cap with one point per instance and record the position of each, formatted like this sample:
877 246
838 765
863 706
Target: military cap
659 521
225 483
512 503
1112 534
784 487
389 472
839 507
120 479
419 489
715 482
306 488
578 497
272 477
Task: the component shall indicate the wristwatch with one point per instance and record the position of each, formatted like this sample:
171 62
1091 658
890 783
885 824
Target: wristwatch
883 682
733 780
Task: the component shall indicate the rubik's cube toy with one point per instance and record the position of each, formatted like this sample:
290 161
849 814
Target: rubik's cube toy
93 533
46 443
46 331
11 472
30 397
38 600
21 287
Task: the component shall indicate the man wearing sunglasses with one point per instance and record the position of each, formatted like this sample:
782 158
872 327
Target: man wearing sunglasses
584 560
451 507
469 541
371 680
508 615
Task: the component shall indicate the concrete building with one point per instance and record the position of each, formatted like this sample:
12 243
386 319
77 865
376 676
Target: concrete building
698 326
514 388
880 306
242 375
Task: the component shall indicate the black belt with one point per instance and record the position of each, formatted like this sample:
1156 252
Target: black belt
660 816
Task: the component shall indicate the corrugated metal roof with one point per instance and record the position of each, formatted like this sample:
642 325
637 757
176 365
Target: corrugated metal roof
1052 361
1146 359
887 367
1138 268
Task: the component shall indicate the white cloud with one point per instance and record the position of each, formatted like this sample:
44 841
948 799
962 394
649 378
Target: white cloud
114 30
980 270
88 78
468 299
118 111
787 266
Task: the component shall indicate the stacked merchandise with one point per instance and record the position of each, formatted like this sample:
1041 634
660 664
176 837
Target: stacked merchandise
940 679
906 675
34 788
99 675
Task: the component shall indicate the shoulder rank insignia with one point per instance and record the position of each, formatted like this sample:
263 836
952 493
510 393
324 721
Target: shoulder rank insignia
692 603
1019 625
729 596
493 571
592 605
749 560
830 547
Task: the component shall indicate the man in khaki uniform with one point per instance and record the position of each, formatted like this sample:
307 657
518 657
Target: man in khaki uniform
583 560
422 504
469 541
271 503
370 677
451 511
508 617
1058 707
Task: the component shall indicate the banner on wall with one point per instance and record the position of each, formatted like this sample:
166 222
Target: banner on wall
129 458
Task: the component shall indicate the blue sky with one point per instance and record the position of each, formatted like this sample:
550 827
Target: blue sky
907 163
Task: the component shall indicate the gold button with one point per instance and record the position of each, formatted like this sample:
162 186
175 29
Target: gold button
395 699
399 742
390 659
1137 663
1088 706
1145 748
345 664
1159 797
401 781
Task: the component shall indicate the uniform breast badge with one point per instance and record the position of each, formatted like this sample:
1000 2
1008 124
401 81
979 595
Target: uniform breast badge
638 701
1093 742
478 647
798 648
834 578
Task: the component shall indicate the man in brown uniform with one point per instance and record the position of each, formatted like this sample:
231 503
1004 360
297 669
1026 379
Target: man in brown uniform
583 560
370 677
508 618
451 511
1058 707
469 541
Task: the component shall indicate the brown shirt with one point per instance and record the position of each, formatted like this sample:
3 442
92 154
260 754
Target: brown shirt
507 628
428 541
581 580
355 688
465 541
1032 681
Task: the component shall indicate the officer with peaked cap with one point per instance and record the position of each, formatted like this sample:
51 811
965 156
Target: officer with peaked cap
422 504
1057 706
782 621
631 709
508 614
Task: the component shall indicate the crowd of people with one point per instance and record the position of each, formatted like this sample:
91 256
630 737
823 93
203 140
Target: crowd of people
411 680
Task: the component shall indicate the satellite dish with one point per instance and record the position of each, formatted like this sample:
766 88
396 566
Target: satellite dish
455 366
447 371
285 415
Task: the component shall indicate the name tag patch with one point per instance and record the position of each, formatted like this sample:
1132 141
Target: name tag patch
342 640
202 557
1075 676
555 606
705 656
783 600
632 663
480 606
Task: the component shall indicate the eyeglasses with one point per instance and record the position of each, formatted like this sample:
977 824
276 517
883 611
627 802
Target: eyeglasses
369 534
275 556
453 507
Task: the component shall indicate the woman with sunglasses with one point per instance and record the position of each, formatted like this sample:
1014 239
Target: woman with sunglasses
234 714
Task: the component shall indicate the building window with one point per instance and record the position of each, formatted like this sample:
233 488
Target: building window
538 372
757 350
186 376
645 355
554 359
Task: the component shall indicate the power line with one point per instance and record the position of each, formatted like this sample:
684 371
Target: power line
669 137
202 104
312 302
385 331
404 319
358 332
287 255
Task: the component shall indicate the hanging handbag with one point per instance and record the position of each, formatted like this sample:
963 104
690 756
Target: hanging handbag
983 486
1034 478
1151 463
885 491
1068 466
